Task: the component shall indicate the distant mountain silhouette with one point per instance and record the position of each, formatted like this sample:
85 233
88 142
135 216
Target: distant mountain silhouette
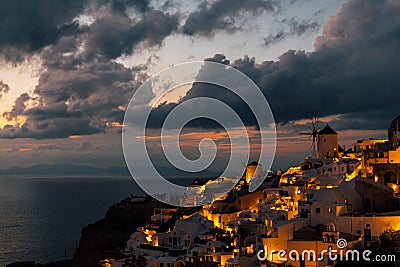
48 169
70 169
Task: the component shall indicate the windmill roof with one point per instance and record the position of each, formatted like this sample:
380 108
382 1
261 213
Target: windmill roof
327 130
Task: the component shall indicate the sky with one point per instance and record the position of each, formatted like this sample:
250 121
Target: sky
69 69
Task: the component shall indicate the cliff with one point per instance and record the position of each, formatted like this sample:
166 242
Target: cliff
106 237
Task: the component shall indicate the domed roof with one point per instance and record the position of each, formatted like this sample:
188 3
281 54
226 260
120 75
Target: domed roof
395 123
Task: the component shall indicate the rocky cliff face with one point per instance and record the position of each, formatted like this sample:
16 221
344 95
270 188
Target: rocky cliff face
106 237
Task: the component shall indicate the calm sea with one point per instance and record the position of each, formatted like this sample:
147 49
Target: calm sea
41 218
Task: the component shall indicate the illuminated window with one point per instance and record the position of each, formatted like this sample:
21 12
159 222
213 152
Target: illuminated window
330 210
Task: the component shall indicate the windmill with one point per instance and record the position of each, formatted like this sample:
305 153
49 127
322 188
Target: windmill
314 135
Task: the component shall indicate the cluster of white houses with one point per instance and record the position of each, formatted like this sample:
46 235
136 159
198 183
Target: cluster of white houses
340 194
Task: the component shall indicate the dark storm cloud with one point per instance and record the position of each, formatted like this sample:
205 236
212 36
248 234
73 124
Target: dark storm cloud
221 15
4 88
76 101
159 114
28 26
353 70
82 90
19 106
55 128
295 28
219 58
114 36
123 5
374 119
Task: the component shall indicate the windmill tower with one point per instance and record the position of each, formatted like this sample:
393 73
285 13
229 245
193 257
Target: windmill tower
313 135
328 144
393 133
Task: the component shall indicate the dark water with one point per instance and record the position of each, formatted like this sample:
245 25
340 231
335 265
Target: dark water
41 218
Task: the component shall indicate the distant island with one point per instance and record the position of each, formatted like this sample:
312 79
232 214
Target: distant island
71 169
63 169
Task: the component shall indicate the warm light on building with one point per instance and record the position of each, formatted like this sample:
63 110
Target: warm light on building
149 235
